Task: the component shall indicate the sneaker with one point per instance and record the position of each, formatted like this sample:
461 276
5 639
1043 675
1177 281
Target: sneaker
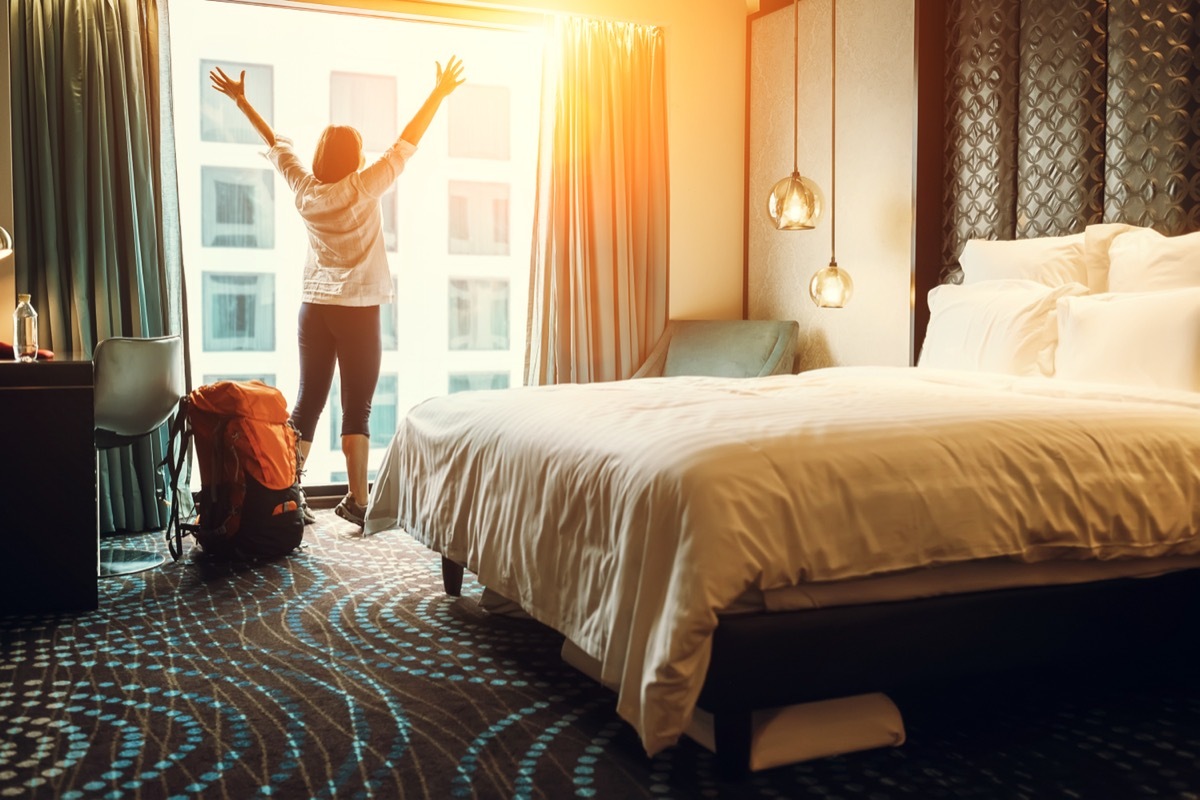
305 511
350 510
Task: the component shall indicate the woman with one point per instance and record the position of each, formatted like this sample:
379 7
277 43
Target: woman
346 275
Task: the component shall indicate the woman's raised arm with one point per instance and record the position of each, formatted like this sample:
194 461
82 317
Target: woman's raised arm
236 91
447 81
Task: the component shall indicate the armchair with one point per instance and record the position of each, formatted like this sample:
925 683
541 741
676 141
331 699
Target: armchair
723 348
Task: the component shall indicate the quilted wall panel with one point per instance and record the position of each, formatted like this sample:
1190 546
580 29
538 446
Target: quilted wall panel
1061 113
982 57
1152 175
1060 117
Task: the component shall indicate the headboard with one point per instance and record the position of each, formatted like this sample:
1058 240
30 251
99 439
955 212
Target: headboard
1054 114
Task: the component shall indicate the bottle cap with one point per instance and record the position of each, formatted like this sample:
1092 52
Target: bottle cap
23 298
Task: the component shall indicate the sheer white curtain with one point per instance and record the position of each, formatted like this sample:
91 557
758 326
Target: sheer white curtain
598 288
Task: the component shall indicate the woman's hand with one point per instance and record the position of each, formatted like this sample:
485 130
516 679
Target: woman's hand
450 78
234 90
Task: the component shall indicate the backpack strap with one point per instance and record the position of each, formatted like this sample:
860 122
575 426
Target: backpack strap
179 447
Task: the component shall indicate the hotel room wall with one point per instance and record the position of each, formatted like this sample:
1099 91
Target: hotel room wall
875 107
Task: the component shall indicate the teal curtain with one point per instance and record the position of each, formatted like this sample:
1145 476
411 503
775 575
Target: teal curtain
95 199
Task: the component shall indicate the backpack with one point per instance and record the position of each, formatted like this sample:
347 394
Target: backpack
249 504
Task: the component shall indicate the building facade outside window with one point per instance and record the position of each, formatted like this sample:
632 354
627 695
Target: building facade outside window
239 312
457 225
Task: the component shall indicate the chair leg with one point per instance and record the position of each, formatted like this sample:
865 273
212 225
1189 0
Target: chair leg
127 561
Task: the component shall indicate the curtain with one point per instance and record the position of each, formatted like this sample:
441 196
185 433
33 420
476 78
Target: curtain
598 282
94 190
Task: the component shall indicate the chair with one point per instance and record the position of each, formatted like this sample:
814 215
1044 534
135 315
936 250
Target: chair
740 348
138 384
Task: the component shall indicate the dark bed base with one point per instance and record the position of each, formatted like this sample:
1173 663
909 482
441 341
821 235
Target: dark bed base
766 660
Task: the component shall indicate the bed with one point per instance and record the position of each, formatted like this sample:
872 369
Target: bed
1028 492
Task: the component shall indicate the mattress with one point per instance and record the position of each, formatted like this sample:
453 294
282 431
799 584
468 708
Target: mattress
629 515
974 576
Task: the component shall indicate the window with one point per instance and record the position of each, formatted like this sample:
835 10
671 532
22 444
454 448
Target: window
387 207
384 413
475 381
387 321
239 311
269 380
478 315
368 103
500 221
479 122
239 207
478 218
245 245
220 120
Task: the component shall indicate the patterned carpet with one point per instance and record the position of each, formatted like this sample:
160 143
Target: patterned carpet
344 671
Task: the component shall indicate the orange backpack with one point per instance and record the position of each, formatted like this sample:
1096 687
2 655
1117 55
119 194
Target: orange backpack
249 503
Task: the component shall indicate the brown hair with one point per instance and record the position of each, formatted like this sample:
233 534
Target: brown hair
339 152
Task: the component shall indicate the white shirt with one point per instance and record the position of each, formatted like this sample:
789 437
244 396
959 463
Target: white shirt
346 263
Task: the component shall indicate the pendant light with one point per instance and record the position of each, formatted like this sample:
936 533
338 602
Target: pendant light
6 244
831 286
795 201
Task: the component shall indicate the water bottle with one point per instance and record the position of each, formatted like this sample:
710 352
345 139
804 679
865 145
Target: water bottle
25 340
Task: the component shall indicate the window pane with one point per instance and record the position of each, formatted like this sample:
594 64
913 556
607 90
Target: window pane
268 379
387 207
478 218
220 119
500 221
387 320
460 229
483 134
384 413
239 207
340 475
478 315
239 311
475 381
368 103
479 122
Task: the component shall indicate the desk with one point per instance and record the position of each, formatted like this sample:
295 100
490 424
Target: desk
49 525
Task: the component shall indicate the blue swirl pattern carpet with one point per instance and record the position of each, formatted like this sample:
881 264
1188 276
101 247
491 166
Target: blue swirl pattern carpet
344 671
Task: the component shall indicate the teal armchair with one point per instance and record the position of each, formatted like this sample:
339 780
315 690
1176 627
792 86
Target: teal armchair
723 348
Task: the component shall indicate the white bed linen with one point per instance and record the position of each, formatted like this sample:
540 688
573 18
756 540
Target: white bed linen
627 515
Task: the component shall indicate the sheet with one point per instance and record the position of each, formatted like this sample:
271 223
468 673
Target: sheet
628 515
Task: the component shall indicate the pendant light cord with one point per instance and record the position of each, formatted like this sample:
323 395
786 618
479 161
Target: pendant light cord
833 144
795 87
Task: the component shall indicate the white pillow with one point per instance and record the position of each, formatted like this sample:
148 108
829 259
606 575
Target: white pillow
1144 260
1004 326
1097 239
1133 338
1051 260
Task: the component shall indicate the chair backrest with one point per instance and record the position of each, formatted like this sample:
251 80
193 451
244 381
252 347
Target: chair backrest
138 383
724 348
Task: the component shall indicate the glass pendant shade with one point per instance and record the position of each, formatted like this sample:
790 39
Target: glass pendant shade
794 204
831 287
6 244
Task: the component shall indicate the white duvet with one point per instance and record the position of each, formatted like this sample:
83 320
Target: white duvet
627 515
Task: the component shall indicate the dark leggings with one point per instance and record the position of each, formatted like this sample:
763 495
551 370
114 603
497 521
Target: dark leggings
347 336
